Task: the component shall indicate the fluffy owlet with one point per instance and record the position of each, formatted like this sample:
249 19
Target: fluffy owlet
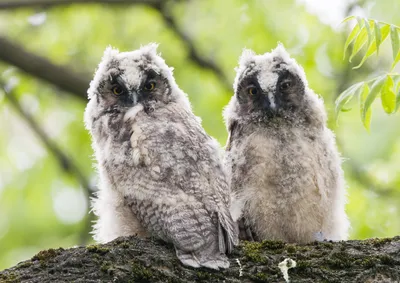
285 170
161 175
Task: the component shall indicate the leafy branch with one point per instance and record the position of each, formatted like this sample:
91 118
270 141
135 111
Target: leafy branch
372 33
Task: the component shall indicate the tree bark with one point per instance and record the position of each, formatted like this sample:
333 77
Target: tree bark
62 77
144 260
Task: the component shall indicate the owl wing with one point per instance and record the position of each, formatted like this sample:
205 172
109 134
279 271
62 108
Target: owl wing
182 170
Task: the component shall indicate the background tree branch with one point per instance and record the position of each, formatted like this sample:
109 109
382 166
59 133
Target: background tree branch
137 260
39 67
65 162
194 54
13 4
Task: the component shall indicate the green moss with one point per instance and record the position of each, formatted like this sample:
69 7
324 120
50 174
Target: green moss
260 277
273 245
10 278
97 249
291 249
25 264
252 251
124 245
106 266
377 242
370 262
203 276
44 255
339 260
141 273
302 265
387 260
326 244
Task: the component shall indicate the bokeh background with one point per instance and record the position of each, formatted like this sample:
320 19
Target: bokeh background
50 49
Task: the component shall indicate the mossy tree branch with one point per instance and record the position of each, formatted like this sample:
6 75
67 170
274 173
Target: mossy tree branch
138 260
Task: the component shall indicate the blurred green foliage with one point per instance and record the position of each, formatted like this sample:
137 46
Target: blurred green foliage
372 34
42 207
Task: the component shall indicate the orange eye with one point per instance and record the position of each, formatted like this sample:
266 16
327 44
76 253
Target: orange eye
252 91
150 86
117 90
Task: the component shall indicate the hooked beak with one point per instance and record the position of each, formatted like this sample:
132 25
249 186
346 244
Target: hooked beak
134 96
268 101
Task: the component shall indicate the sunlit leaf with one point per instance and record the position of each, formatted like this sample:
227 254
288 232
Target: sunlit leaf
385 30
369 33
394 36
371 50
378 35
396 60
375 90
365 115
345 97
359 42
360 21
350 38
388 97
347 19
372 47
398 101
397 90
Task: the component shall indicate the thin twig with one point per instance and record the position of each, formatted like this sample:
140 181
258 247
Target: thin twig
194 54
14 4
40 67
65 162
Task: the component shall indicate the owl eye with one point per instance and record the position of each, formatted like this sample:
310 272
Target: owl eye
252 91
285 85
149 86
117 90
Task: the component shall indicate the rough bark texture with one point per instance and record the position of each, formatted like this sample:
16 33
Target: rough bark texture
137 260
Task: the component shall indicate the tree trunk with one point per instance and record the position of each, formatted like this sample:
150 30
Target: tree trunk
137 260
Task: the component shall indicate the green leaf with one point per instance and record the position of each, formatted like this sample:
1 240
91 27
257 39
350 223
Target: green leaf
396 60
394 36
360 21
371 50
365 115
397 90
369 33
378 36
359 43
345 97
385 32
388 97
350 38
347 19
375 90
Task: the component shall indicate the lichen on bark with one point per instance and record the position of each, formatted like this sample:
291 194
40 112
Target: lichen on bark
139 260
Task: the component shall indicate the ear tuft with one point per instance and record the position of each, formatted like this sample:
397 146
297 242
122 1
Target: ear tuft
109 53
150 49
281 52
247 57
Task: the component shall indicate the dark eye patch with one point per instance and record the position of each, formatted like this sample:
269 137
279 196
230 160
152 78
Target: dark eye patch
289 83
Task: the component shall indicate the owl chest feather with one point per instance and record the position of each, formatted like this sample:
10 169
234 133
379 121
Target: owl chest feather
284 174
165 160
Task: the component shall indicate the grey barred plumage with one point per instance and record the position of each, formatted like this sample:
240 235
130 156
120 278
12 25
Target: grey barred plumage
285 171
160 174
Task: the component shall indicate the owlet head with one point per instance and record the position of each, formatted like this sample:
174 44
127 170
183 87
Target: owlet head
125 79
267 85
